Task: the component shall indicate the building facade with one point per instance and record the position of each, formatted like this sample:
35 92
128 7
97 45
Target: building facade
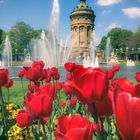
82 26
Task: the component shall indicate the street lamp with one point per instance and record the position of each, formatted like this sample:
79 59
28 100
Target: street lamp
16 54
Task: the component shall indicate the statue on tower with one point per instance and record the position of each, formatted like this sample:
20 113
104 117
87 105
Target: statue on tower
83 0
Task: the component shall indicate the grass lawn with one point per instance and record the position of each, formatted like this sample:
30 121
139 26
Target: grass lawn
16 92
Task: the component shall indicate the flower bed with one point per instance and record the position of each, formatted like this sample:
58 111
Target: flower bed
90 104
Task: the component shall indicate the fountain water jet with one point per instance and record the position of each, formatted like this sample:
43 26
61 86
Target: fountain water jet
91 60
108 47
7 53
48 48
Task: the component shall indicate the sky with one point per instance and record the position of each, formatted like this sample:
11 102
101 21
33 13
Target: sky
109 14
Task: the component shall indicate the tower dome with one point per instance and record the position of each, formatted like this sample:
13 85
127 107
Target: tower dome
82 26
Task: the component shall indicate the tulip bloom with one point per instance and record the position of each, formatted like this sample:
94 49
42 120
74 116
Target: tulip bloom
137 76
33 87
9 83
38 63
103 107
53 71
69 66
3 77
20 73
72 101
123 84
33 73
116 68
89 85
127 113
39 105
58 86
74 127
62 104
23 119
110 74
68 76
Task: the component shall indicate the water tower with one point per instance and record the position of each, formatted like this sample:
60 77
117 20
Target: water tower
82 26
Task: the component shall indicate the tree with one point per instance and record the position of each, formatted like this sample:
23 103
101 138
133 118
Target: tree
119 38
2 37
20 36
102 44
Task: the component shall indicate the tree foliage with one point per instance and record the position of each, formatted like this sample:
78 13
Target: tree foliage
2 37
20 35
103 43
121 38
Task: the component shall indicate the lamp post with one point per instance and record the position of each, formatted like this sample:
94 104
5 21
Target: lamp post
138 53
24 53
16 54
126 52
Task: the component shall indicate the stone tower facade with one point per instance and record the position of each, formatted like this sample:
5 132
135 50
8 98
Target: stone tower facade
82 26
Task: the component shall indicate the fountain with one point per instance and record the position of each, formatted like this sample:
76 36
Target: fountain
108 47
7 53
110 59
48 48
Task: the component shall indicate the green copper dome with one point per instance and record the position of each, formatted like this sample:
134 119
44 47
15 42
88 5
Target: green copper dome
82 5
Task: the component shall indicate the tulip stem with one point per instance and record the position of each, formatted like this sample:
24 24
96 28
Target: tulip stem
44 131
22 87
8 97
96 120
2 107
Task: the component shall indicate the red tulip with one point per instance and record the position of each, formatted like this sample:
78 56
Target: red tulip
9 83
72 101
44 120
123 84
68 76
56 76
69 66
20 73
48 76
39 105
67 89
33 87
116 68
48 89
89 85
53 71
23 119
74 127
44 75
137 76
62 104
38 63
58 86
3 77
127 113
110 74
103 107
33 73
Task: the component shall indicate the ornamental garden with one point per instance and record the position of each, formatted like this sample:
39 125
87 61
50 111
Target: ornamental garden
70 90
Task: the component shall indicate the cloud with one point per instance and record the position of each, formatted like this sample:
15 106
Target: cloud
107 2
113 25
106 12
132 12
